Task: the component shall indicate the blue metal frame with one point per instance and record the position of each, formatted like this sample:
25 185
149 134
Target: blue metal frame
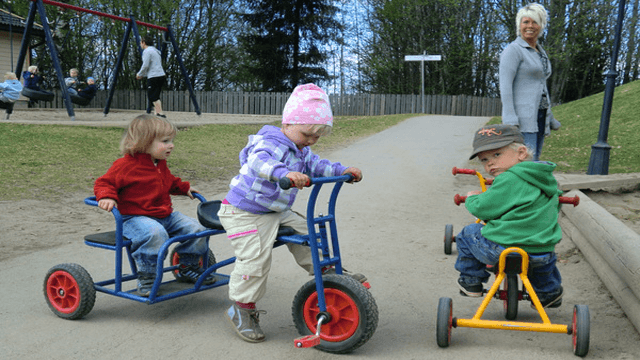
317 239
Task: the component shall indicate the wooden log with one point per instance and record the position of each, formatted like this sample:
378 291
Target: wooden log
615 242
616 286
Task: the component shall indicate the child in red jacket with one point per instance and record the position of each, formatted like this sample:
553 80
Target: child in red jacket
140 185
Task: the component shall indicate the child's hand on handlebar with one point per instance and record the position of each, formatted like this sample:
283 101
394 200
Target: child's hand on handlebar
355 172
107 204
298 179
474 192
190 193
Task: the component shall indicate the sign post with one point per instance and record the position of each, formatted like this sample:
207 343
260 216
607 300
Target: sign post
422 58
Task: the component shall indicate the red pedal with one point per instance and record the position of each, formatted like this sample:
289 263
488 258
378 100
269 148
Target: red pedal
307 341
366 285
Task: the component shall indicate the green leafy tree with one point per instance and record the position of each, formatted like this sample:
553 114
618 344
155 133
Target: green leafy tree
285 42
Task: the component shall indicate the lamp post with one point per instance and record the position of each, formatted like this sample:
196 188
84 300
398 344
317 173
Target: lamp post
599 160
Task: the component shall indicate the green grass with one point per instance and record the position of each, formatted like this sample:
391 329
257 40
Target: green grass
570 147
49 161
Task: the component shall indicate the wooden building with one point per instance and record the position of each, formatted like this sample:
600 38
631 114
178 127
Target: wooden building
11 31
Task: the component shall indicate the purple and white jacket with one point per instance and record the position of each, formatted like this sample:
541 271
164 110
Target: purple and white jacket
268 157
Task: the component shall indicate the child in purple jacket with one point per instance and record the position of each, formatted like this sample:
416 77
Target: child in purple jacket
256 206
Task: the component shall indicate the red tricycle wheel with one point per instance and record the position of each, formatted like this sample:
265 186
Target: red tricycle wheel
580 329
344 315
448 238
175 260
444 322
352 310
69 292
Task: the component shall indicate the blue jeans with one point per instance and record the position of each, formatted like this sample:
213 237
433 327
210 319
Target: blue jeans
148 234
72 91
534 141
475 252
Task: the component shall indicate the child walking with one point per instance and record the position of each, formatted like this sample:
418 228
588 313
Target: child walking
256 206
520 209
140 185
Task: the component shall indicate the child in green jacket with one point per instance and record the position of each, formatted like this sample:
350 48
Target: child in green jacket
519 209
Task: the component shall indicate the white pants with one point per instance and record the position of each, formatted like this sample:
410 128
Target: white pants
252 237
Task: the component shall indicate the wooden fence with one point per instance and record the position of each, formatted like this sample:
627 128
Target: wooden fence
272 103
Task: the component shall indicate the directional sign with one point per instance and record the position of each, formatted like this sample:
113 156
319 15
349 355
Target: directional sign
422 57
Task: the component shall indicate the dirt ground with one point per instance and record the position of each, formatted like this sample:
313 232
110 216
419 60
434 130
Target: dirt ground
395 240
96 117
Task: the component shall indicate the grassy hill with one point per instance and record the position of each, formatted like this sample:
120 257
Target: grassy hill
570 147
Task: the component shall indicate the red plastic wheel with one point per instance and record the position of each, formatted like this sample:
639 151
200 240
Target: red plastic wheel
345 317
351 308
175 260
63 292
69 292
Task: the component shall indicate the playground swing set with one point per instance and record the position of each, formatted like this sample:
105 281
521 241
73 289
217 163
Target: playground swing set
132 25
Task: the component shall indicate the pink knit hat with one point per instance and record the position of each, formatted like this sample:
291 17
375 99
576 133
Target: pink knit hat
307 105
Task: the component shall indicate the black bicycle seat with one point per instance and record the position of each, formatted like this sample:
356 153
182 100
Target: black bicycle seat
208 216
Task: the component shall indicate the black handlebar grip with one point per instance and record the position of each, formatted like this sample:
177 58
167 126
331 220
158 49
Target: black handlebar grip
285 183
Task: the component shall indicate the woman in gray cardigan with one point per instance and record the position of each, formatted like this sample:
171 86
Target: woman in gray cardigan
524 70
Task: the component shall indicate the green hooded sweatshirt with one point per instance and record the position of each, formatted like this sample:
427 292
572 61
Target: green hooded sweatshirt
521 208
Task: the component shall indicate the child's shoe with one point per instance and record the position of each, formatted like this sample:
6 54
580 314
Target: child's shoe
357 276
145 283
246 323
191 274
550 300
470 290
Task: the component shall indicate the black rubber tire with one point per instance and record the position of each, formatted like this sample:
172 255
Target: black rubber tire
175 260
448 238
79 100
69 292
444 322
38 95
511 303
580 330
346 299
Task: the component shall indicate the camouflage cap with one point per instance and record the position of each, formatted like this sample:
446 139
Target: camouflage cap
491 137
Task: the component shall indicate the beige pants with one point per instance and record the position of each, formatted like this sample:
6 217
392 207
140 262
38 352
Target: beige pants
252 237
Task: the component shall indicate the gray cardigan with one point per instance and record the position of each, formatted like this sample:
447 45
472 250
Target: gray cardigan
151 63
522 83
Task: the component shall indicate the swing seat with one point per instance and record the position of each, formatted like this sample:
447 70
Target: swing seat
38 95
79 100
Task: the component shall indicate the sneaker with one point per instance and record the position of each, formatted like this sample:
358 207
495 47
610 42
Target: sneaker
357 276
145 283
246 323
550 301
191 274
473 290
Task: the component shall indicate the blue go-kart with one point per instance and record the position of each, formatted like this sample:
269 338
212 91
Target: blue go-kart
334 313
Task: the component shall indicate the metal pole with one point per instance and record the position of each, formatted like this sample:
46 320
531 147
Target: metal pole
599 161
422 76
